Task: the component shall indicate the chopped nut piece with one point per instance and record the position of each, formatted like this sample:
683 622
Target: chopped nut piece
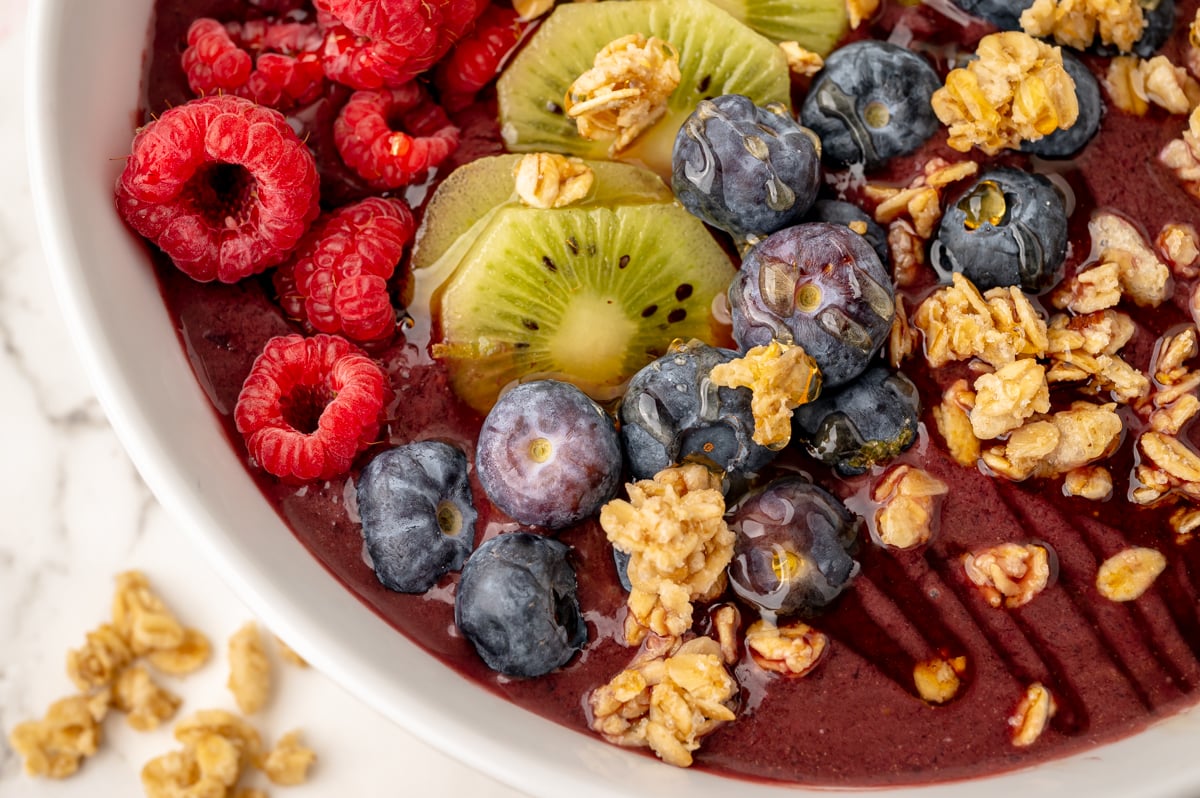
1032 715
666 700
959 323
249 669
674 530
1067 440
860 11
55 746
1006 398
1088 482
1128 574
801 62
625 91
141 617
953 421
781 377
1180 245
289 761
99 660
185 658
911 500
793 649
548 180
1015 90
1010 573
148 705
937 679
1076 23
1182 155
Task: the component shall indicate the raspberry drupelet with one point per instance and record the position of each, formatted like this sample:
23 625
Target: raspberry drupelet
476 59
374 44
337 280
309 406
221 185
387 158
273 63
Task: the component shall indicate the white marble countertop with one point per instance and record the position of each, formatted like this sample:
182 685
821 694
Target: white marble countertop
76 514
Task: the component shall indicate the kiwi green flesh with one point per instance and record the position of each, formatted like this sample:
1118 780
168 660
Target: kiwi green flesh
717 55
587 295
817 25
472 193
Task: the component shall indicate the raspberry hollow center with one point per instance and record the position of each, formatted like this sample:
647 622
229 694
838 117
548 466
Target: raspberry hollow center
223 193
302 408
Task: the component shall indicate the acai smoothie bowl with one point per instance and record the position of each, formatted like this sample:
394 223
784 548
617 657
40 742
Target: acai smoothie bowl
669 396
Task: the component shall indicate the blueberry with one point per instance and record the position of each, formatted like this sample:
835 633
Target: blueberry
418 519
517 604
744 169
821 286
871 102
792 551
548 455
1065 143
868 421
672 412
1007 228
1004 14
841 212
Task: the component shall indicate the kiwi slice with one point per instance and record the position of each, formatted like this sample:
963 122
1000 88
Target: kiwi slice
717 55
818 25
472 193
584 294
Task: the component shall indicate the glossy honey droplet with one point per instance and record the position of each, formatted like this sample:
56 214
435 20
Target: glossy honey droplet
984 204
787 565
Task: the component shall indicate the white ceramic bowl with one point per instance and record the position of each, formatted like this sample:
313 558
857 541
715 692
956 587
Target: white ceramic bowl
84 69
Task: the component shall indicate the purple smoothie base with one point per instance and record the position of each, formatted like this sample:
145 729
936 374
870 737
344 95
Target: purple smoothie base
856 720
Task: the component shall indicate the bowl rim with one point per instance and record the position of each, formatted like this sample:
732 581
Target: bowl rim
471 724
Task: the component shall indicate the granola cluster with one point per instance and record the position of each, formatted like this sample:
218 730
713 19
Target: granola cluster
549 180
909 501
672 694
781 377
1134 84
1032 715
110 669
1009 574
626 90
1129 573
792 649
1182 155
1077 23
1015 90
673 528
959 323
938 680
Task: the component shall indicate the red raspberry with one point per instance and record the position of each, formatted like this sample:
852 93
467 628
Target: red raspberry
387 158
221 185
374 44
476 59
285 70
337 280
309 406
